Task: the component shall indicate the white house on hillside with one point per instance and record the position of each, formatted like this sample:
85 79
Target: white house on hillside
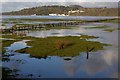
52 14
76 11
82 11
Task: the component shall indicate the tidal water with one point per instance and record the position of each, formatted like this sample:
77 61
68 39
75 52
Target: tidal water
60 17
101 64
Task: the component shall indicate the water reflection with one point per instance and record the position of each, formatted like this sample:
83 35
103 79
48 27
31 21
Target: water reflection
17 45
59 17
69 32
100 64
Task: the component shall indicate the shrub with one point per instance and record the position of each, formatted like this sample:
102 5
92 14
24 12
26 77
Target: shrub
61 44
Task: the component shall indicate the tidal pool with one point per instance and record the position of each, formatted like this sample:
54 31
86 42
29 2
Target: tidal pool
101 64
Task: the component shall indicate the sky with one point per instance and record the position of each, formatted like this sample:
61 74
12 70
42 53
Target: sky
14 5
60 0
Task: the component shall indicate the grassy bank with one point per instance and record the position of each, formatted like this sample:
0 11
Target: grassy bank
60 46
56 46
87 37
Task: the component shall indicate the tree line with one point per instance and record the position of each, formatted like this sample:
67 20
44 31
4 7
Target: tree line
46 10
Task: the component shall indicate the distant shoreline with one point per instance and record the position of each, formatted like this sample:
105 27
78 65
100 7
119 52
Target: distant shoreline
65 11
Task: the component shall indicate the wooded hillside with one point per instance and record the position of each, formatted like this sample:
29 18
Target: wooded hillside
46 10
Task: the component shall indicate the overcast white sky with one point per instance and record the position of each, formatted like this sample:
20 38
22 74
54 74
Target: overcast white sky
12 5
60 0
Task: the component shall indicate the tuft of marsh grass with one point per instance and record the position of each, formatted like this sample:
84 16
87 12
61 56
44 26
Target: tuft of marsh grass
61 44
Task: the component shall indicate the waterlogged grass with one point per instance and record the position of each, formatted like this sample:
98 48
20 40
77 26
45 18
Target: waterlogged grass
2 24
113 20
110 30
18 37
6 43
20 25
54 33
97 27
6 21
105 28
57 46
13 36
116 20
48 27
87 37
118 28
59 27
60 46
56 27
40 19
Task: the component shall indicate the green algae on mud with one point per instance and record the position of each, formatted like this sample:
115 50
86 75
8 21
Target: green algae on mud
42 47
